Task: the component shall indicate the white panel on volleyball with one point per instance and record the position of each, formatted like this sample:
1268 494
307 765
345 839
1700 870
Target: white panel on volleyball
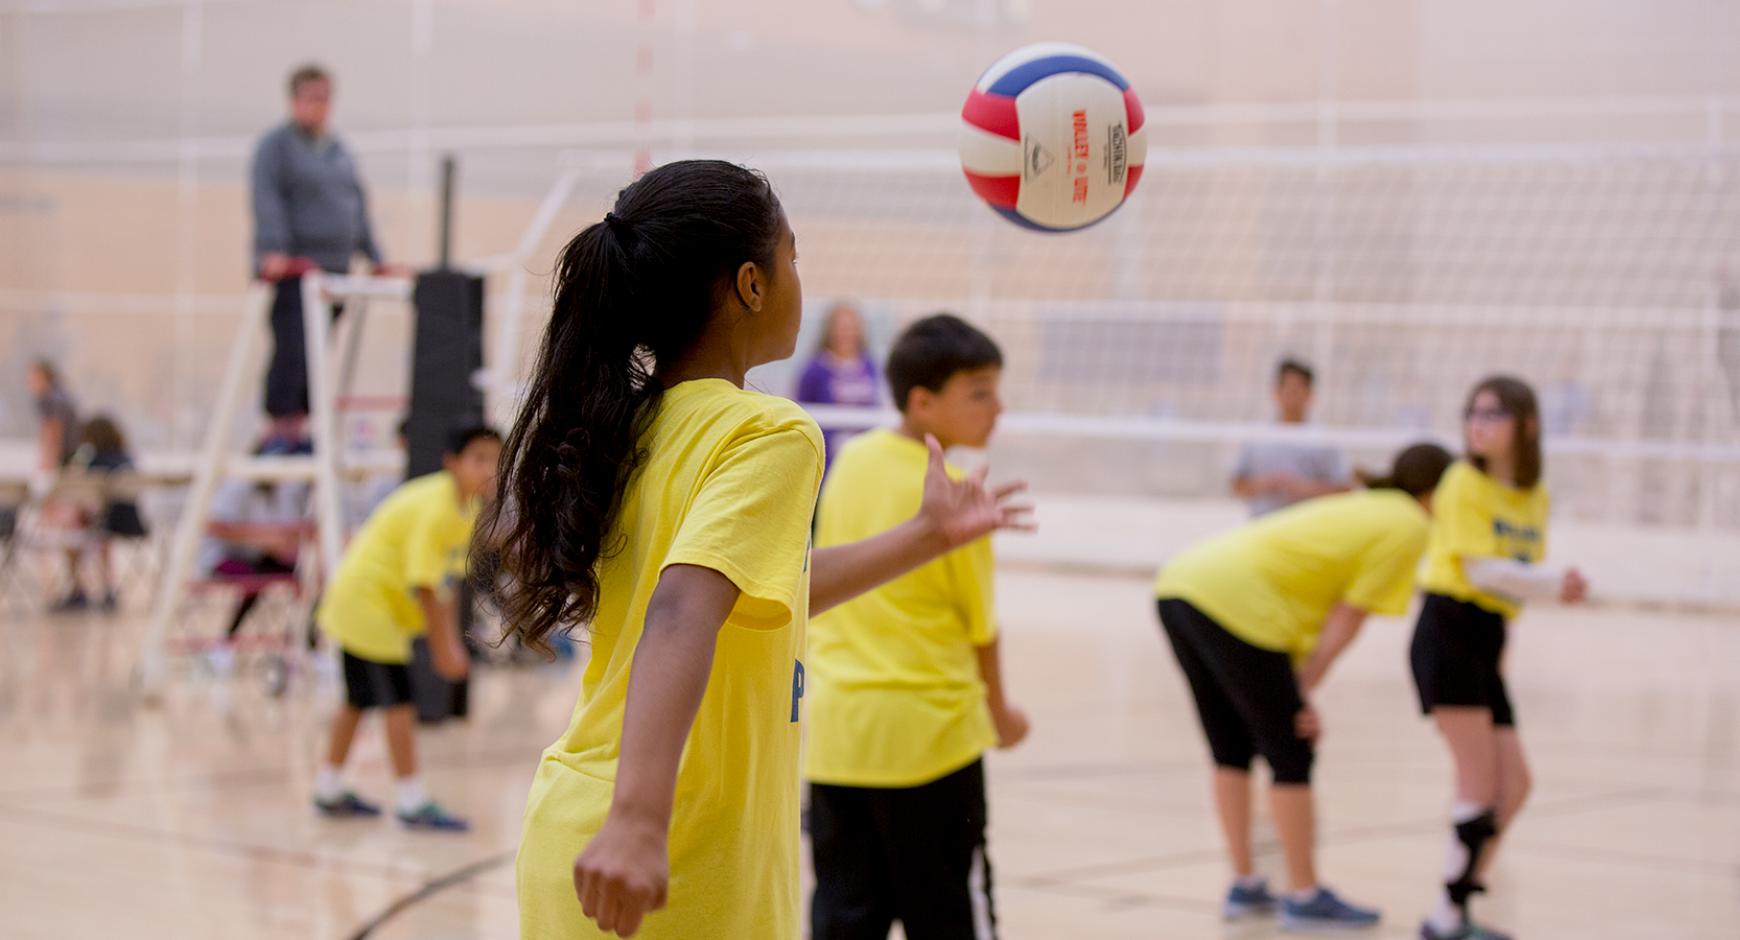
989 154
1066 120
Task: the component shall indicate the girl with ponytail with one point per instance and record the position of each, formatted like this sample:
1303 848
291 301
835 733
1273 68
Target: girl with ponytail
1256 617
648 499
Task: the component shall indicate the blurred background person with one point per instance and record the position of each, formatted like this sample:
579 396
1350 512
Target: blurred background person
253 536
102 450
57 434
1273 475
841 371
309 205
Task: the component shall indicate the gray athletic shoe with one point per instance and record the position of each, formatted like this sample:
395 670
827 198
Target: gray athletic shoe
1468 931
1242 902
1324 911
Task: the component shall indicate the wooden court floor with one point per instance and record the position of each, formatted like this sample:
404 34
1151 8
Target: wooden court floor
192 820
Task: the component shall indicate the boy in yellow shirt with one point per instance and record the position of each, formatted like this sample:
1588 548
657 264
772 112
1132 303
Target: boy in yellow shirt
904 682
398 581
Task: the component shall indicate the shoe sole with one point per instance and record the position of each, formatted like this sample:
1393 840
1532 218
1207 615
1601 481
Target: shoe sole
1231 913
432 827
1294 925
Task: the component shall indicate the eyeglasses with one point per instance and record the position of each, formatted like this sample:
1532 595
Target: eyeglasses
1487 415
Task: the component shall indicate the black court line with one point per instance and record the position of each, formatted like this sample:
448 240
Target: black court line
299 858
431 888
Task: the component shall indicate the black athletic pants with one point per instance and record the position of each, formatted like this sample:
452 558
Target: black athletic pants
287 373
1248 698
912 854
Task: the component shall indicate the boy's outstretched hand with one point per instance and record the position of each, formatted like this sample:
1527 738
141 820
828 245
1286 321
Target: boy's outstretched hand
966 509
1012 726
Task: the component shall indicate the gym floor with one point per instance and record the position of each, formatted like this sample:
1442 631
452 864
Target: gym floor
192 819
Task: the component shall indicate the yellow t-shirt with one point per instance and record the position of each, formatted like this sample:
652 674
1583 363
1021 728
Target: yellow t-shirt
729 483
1476 516
1272 582
417 538
895 695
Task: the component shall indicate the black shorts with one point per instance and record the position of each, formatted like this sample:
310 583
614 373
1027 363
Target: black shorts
123 520
1455 655
368 684
912 854
1247 697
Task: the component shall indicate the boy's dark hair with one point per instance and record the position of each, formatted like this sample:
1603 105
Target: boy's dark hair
1518 400
633 293
102 433
932 349
1291 366
471 434
305 74
1416 471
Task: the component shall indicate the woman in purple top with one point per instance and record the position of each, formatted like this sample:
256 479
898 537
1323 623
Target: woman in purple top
841 372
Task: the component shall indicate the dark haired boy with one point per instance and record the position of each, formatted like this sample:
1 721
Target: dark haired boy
399 580
904 683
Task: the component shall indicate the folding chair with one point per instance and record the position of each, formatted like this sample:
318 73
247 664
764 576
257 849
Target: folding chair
13 498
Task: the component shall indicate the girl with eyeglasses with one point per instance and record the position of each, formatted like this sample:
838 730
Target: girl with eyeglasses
1486 559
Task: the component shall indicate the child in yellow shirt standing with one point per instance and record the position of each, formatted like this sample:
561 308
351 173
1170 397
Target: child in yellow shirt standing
651 500
399 580
1489 543
905 687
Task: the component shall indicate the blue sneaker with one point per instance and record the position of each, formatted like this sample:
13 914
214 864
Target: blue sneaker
344 805
1468 931
430 816
1324 911
1242 902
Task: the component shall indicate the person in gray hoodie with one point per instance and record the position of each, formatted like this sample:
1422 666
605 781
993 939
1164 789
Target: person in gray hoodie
308 204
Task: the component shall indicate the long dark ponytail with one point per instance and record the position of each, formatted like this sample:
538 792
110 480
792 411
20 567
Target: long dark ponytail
1415 471
632 293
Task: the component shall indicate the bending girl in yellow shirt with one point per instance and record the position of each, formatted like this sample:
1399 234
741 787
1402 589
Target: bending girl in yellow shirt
1256 617
649 498
1488 541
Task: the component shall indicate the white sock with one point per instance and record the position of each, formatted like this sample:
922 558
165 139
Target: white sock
329 783
408 794
1301 897
1250 882
1446 917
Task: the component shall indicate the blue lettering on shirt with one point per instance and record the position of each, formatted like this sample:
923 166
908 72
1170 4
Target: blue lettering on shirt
1520 542
797 687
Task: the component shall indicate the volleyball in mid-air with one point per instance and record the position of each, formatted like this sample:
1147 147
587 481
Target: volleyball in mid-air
1051 137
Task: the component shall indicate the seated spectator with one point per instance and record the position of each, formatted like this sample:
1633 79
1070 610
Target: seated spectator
841 372
254 530
103 450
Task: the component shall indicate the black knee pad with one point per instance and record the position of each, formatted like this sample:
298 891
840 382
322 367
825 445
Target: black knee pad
1473 834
